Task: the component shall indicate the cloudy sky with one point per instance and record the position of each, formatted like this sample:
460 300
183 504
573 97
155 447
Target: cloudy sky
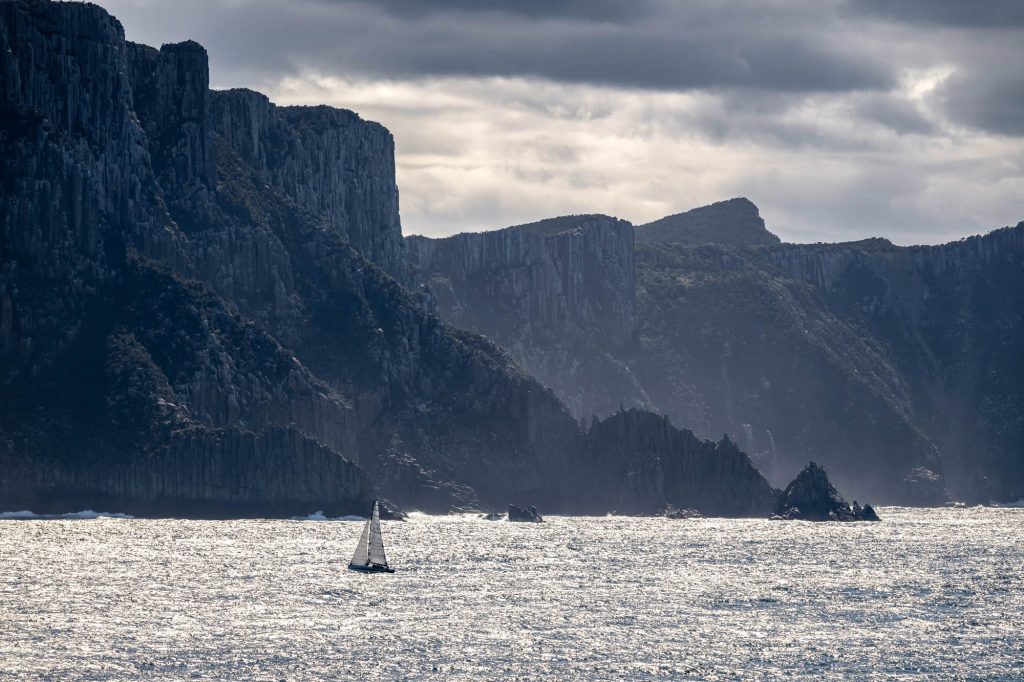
841 119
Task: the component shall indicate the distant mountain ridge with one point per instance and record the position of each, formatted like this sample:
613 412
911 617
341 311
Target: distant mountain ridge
734 222
868 357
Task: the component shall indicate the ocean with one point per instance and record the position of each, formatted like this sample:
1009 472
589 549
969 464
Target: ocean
924 594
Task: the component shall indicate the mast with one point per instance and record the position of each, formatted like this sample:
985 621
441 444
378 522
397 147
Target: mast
375 545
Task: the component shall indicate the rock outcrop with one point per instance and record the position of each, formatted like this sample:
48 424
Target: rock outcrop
735 222
647 465
202 309
811 497
524 514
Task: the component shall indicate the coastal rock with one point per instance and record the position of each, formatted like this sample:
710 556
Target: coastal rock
811 497
646 464
326 159
523 514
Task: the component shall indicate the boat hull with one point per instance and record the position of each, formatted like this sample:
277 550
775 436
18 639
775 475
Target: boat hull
372 568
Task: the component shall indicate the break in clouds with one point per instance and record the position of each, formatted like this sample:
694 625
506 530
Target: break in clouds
841 120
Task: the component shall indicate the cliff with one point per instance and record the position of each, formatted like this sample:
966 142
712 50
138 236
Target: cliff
950 318
735 222
893 366
202 308
732 345
558 295
323 158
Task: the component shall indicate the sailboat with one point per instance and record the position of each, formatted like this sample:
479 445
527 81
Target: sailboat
369 556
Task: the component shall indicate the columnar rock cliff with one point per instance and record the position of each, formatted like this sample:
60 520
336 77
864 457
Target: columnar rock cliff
327 159
952 321
557 294
202 307
896 367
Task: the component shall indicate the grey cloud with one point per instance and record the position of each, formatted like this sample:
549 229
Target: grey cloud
811 108
794 47
893 112
954 13
991 99
587 10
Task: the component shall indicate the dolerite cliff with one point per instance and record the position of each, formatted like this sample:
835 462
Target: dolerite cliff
732 345
951 321
558 295
897 368
202 309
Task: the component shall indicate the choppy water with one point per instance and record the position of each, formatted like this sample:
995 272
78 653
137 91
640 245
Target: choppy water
925 594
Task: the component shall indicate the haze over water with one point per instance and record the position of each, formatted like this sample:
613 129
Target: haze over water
924 594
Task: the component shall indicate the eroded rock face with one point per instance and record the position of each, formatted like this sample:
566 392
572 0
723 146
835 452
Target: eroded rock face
896 366
949 317
557 294
811 497
325 159
730 345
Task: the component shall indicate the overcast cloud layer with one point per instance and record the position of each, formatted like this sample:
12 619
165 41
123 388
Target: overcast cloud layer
841 120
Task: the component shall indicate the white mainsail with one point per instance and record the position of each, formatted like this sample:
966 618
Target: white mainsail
370 550
375 551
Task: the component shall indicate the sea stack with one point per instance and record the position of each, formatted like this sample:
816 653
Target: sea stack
812 497
526 514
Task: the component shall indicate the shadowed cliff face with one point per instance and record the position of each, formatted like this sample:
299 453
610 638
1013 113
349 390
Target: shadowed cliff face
734 346
557 294
951 319
198 313
892 366
895 367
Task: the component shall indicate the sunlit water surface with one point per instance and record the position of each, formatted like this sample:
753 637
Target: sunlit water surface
935 594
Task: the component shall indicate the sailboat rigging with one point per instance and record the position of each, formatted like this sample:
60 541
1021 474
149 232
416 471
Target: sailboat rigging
369 556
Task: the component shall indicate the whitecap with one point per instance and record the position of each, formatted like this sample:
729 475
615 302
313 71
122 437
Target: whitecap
90 514
84 514
23 514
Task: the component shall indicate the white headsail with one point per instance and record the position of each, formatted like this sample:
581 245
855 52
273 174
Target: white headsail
361 557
